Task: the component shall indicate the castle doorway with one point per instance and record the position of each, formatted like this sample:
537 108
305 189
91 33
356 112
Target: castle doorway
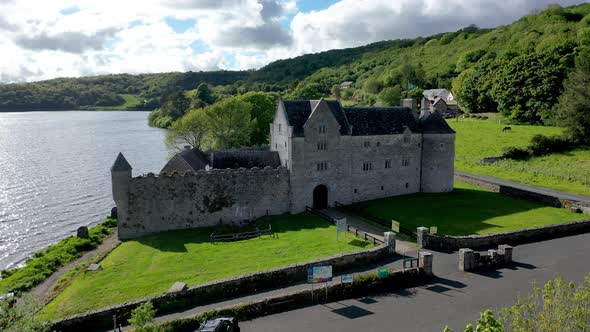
320 197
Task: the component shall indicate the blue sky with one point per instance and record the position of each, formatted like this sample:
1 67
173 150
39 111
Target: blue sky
57 38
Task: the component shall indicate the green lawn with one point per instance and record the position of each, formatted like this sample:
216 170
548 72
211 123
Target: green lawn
130 101
149 266
466 210
476 139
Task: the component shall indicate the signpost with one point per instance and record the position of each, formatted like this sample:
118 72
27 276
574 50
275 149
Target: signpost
347 279
319 274
433 229
395 226
341 226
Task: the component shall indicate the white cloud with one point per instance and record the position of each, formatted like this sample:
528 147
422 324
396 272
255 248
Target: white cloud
46 39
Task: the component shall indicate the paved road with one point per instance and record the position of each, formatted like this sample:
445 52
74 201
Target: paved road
546 191
455 298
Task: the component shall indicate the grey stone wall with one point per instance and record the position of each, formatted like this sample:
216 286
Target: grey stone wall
448 243
204 198
438 157
470 260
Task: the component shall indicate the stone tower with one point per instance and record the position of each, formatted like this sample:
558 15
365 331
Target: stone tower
121 178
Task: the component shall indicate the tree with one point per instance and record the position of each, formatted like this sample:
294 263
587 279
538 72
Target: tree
573 110
203 95
230 123
372 85
19 315
263 110
558 306
415 93
335 90
307 91
391 96
191 129
176 105
142 316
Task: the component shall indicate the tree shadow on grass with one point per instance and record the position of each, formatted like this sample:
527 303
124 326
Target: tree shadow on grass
176 240
463 211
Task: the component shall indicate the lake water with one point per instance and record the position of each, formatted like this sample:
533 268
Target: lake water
55 172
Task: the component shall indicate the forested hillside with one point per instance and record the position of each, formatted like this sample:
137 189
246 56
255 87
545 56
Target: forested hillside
518 69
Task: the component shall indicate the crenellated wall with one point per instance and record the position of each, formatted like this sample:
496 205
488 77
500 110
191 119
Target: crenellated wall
205 198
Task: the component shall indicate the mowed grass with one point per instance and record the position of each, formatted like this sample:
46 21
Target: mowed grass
569 171
130 101
149 266
466 210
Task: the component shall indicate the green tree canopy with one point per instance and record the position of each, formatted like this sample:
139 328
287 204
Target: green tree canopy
574 108
264 105
372 85
230 123
191 129
391 96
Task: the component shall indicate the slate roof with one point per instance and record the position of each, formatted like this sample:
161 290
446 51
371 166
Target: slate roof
298 111
186 160
432 93
121 164
435 124
195 159
368 121
246 158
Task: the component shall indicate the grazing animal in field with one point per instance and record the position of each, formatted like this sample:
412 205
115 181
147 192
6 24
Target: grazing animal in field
506 129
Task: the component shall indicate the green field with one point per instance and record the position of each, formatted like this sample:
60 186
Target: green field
130 101
569 171
467 210
149 266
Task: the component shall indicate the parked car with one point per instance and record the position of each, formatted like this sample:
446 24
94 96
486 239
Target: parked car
222 324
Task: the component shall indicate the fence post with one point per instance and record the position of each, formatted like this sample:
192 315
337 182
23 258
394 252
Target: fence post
425 261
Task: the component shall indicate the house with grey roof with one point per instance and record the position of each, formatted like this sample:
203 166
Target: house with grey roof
320 153
346 85
433 94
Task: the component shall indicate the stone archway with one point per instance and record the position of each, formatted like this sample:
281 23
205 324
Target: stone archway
320 197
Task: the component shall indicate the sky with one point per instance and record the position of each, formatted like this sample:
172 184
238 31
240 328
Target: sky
44 39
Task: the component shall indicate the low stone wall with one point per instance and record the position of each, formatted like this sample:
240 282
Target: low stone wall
536 197
363 285
447 243
223 289
470 260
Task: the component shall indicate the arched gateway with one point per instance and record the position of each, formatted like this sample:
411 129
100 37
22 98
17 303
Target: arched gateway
320 197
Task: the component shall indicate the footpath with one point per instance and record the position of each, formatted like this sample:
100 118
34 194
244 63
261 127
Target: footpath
43 290
562 195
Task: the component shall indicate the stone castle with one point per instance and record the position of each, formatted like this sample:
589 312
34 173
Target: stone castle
320 153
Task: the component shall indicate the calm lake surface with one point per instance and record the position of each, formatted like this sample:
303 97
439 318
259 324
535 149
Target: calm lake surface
55 172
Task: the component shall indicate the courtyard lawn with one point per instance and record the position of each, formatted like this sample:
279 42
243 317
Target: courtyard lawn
569 171
149 266
467 210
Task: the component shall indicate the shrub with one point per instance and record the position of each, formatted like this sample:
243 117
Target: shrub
542 145
142 316
515 153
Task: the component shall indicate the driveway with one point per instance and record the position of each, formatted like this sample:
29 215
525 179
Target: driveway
454 298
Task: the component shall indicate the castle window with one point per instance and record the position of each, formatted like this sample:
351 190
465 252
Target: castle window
381 187
276 146
321 146
378 143
442 145
285 143
322 166
355 191
406 162
367 166
279 127
367 144
388 163
407 139
322 129
407 185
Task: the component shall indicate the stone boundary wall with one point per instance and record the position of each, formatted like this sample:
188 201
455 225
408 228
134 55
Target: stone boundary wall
365 285
447 243
536 197
222 289
203 198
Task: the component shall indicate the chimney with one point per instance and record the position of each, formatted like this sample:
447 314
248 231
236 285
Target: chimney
425 111
410 103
